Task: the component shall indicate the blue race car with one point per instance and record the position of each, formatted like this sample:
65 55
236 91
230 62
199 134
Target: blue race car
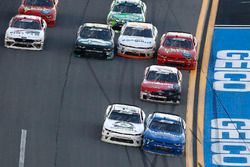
164 134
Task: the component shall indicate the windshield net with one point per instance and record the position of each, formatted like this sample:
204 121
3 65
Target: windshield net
162 77
44 3
178 42
96 33
122 116
127 8
137 31
26 24
166 126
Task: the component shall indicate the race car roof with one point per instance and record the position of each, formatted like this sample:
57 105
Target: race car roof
129 1
140 24
180 34
98 25
22 16
163 69
126 108
166 116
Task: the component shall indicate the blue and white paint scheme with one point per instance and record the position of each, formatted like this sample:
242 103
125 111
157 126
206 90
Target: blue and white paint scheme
227 106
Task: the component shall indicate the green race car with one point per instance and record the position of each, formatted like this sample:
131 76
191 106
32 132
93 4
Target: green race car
122 11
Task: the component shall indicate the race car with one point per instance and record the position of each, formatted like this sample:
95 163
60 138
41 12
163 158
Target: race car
95 40
122 11
47 9
124 125
161 84
25 32
178 49
137 40
164 134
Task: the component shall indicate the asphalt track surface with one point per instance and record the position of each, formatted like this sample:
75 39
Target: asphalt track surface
60 100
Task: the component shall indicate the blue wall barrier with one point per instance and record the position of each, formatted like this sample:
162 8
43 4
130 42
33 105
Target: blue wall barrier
227 100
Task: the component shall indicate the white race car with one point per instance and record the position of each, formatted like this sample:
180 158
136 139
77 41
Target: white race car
124 125
25 32
137 40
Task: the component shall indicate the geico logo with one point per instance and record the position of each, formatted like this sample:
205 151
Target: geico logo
225 123
234 54
235 160
232 71
230 142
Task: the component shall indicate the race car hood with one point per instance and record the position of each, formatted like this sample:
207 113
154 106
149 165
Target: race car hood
165 137
126 17
38 10
123 127
135 41
93 41
25 33
155 86
176 52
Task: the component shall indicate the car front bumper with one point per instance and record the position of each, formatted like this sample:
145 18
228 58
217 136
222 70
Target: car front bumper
180 63
133 52
93 52
163 149
121 139
23 44
172 98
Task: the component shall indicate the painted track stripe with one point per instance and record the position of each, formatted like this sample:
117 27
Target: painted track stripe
202 83
191 89
22 148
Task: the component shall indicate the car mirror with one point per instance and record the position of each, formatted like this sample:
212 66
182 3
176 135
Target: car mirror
195 42
162 39
108 111
44 24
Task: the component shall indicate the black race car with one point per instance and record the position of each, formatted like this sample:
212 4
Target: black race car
95 40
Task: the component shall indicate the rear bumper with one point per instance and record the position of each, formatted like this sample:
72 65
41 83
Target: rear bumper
186 64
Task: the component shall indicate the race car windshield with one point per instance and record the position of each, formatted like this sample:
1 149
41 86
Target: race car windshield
165 126
122 116
43 3
161 77
141 32
178 42
96 33
127 8
26 24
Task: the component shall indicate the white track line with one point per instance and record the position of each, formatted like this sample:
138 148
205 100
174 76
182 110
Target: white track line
22 148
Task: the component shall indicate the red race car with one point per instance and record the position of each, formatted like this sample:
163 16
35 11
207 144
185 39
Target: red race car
178 49
47 9
161 84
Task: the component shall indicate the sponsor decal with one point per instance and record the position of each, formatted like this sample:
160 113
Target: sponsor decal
227 118
137 40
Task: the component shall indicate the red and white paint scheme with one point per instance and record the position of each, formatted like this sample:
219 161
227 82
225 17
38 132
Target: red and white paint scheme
47 9
178 49
25 32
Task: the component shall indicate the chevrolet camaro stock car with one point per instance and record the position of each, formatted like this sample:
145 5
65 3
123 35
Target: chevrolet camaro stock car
96 40
137 40
124 125
164 134
47 9
122 11
161 84
25 32
178 49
